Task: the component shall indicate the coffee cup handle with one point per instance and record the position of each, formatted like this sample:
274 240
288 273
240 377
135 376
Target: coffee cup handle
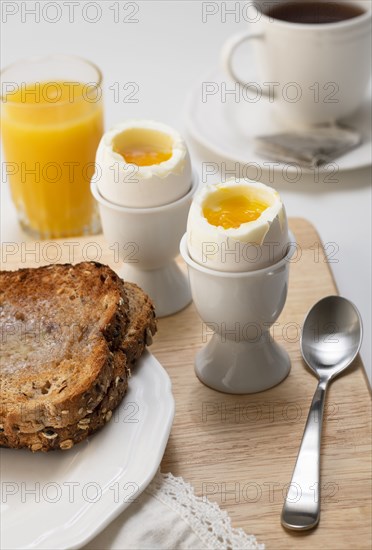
228 51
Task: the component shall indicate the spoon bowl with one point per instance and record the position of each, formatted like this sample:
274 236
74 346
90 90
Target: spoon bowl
330 341
331 336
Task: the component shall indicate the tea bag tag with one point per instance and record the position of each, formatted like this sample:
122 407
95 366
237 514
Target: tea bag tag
308 148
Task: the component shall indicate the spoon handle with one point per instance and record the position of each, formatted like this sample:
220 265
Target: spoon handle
301 508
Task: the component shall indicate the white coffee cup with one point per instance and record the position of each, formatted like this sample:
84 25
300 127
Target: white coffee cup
311 73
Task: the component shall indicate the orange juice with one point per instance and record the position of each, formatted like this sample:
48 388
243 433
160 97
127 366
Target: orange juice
50 133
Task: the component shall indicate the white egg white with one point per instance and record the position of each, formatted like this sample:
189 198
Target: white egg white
135 186
253 245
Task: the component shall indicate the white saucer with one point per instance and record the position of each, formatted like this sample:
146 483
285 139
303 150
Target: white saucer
228 128
63 499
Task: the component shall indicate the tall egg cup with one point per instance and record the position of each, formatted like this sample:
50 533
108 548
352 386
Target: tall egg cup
239 308
147 241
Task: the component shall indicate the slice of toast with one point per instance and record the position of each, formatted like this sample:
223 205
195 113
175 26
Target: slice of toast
58 327
111 321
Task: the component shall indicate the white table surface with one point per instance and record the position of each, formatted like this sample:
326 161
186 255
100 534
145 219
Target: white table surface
165 53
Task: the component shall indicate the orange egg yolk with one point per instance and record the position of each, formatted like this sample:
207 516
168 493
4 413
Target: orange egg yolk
231 212
143 155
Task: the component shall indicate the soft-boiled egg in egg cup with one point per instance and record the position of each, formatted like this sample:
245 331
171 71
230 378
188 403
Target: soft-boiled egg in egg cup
237 249
145 215
239 225
143 164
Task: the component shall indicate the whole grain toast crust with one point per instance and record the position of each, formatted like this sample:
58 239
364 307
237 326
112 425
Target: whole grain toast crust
49 438
142 323
87 310
138 334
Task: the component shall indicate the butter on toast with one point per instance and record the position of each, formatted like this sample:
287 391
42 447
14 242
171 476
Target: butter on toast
69 334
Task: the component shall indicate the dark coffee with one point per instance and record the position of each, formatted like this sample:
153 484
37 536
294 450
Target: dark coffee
314 13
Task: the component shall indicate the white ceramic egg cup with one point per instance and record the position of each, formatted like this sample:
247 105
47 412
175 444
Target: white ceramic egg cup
239 308
147 242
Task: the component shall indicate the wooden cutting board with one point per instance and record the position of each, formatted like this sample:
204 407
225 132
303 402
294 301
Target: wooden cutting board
240 450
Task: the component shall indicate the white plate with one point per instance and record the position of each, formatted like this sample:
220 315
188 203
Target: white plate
227 128
110 470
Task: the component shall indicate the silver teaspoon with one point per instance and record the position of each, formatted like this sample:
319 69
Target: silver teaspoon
330 340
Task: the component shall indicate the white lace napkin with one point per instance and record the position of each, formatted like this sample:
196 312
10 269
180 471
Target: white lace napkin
168 516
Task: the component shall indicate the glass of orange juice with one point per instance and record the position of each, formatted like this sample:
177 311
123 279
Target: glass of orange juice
51 124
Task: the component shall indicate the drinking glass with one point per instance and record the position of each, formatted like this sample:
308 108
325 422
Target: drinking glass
52 122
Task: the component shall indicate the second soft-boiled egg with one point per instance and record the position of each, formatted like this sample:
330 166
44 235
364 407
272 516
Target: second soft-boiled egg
240 225
143 164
